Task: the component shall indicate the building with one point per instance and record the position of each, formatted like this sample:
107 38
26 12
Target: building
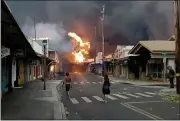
16 52
119 60
153 59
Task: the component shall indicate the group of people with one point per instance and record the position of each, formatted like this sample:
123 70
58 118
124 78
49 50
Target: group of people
105 88
106 84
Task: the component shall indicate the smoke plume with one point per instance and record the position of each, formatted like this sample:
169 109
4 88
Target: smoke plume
141 20
129 21
54 31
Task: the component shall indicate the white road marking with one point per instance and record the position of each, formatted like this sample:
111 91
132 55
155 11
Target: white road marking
74 101
86 99
87 82
98 98
113 82
146 102
100 82
151 93
112 98
121 96
143 95
75 82
94 82
132 95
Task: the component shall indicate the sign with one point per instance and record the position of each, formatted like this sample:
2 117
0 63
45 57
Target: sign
34 62
164 53
19 53
151 61
4 51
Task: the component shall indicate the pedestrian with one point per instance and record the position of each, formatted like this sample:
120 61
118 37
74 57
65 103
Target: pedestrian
106 87
171 75
68 82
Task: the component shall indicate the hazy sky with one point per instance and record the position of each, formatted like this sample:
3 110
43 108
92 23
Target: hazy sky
126 22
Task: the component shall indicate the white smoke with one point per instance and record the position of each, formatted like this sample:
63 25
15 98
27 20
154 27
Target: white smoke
55 32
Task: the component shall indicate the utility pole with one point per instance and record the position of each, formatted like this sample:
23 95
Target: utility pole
45 69
34 29
177 46
102 25
95 44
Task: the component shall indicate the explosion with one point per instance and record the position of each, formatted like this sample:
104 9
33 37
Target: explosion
80 48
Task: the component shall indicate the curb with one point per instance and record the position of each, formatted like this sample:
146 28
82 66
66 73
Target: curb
127 82
59 109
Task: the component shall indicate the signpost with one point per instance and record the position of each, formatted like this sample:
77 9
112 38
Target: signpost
164 61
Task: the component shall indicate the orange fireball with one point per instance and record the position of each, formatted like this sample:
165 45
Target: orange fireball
81 48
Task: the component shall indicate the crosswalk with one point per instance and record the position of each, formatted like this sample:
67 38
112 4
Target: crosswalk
113 96
100 82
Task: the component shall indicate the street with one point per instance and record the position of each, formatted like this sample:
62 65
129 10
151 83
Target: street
125 102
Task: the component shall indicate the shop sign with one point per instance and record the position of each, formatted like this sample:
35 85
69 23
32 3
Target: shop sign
151 61
4 51
19 53
34 62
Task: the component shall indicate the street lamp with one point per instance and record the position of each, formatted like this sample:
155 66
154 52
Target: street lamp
44 62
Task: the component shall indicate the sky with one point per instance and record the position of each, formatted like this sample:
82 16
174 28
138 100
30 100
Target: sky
125 22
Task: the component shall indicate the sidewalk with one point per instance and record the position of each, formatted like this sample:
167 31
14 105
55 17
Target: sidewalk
138 82
33 103
167 91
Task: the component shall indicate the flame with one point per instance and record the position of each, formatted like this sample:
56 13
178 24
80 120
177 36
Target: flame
51 68
81 48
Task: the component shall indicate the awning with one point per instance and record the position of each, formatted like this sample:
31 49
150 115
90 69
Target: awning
12 36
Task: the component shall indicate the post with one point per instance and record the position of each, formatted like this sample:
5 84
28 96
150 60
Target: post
113 63
102 25
164 62
44 67
95 44
177 46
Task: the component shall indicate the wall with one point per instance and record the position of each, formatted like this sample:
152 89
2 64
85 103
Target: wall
37 47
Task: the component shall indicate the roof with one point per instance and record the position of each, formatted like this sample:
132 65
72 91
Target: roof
11 32
154 46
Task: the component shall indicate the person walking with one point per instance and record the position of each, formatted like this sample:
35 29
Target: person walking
68 82
171 75
106 87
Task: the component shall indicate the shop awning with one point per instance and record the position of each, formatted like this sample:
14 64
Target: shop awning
12 36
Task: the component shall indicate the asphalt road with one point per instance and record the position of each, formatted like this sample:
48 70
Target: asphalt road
126 102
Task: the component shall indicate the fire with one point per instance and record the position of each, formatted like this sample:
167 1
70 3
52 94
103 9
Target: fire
81 49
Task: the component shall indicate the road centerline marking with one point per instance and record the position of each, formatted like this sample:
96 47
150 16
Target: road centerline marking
152 116
145 102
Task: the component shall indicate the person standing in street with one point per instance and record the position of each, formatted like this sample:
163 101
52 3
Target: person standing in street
68 82
106 87
171 75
